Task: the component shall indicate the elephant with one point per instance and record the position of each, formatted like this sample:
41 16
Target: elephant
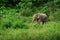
40 17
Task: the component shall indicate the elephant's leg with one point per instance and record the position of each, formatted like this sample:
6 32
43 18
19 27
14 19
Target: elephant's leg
33 20
43 22
38 21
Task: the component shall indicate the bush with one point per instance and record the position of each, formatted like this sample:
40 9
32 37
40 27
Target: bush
26 13
21 26
7 25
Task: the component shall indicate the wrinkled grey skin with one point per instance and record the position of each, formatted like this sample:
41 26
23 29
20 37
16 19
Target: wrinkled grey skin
40 17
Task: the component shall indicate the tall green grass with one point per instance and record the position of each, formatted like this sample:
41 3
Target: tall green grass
49 31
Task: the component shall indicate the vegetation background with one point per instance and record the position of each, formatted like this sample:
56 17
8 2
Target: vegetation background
16 17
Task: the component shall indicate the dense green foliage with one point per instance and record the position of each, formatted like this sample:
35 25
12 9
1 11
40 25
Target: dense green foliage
16 18
49 31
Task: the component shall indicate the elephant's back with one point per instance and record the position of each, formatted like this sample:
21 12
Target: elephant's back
43 16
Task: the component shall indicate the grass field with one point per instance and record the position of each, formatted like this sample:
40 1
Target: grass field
49 31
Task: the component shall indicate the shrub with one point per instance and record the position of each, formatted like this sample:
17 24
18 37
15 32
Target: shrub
7 25
26 12
21 25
